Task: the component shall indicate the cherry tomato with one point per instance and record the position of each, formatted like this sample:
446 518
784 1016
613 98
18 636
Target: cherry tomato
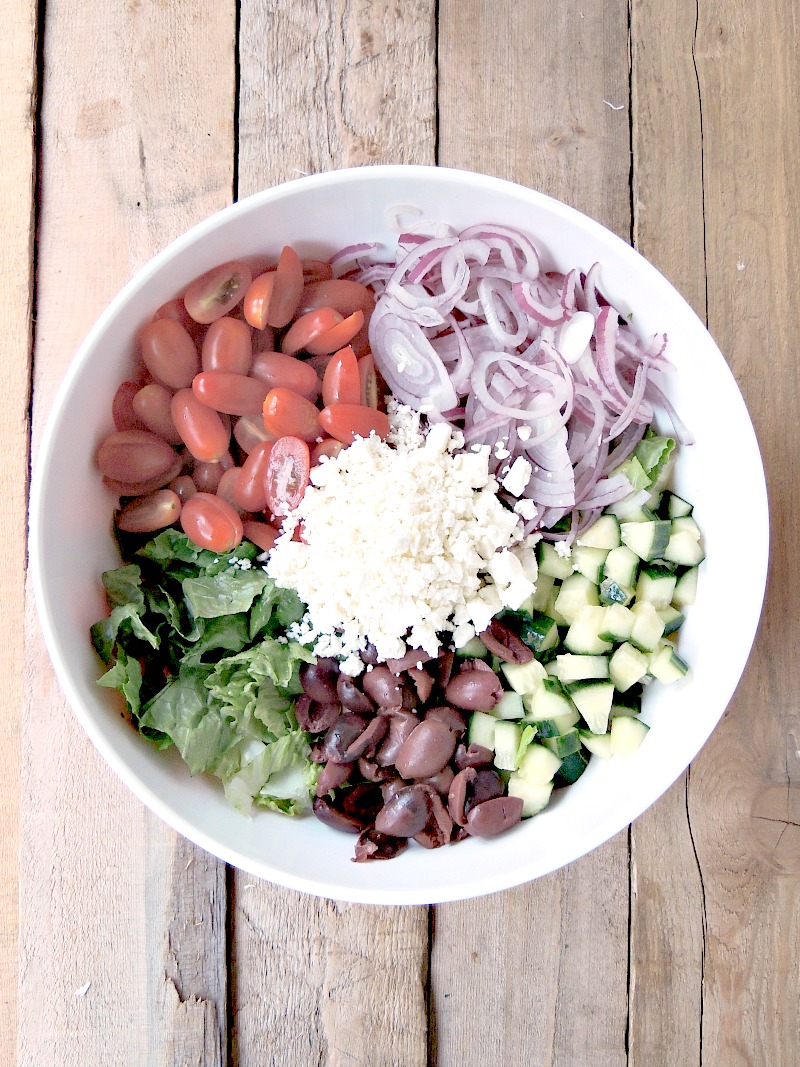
169 353
369 381
207 476
227 346
264 340
217 292
257 299
287 474
287 289
250 493
337 336
250 431
342 382
328 448
261 534
201 428
122 410
148 485
148 513
278 369
288 414
235 394
339 293
316 270
176 309
345 422
183 486
307 327
226 490
133 456
211 523
152 405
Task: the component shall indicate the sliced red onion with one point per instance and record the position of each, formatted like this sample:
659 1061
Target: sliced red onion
407 360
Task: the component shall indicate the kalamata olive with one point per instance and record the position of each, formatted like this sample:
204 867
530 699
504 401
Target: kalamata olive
362 801
457 795
401 723
369 655
351 697
426 750
405 814
486 785
494 816
472 756
341 735
391 786
317 753
410 659
314 717
452 718
441 782
319 680
373 772
331 816
332 776
369 739
383 687
474 690
444 668
439 828
504 643
374 846
423 683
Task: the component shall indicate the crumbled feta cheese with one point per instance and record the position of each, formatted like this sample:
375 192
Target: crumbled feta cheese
524 433
563 549
518 476
526 508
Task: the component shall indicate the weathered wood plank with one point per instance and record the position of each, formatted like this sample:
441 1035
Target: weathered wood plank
322 86
559 995
667 895
744 787
18 92
123 922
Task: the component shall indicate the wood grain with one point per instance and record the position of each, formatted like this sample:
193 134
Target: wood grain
546 964
330 85
18 87
123 946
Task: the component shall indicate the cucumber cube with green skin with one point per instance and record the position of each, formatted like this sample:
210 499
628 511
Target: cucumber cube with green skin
538 765
603 533
482 729
648 627
675 506
507 737
550 608
656 584
509 706
627 703
611 592
583 636
576 592
473 649
538 631
686 524
563 745
537 601
535 798
572 767
549 701
648 540
524 678
684 549
666 665
627 666
686 589
589 562
626 735
617 623
672 619
571 668
597 744
551 563
621 566
593 700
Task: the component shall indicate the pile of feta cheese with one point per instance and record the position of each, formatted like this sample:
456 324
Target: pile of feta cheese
402 541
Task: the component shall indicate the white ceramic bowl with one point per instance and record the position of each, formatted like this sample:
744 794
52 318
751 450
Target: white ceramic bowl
71 546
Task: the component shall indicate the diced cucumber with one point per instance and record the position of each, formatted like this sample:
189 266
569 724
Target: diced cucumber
593 701
627 703
632 508
573 668
550 607
666 665
675 506
684 549
538 631
617 623
507 736
686 589
686 524
537 601
524 677
597 744
548 701
647 539
672 619
509 706
565 722
627 666
576 592
535 798
656 585
538 764
611 592
648 627
622 566
551 563
589 562
583 636
473 649
572 767
627 734
563 744
603 533
481 729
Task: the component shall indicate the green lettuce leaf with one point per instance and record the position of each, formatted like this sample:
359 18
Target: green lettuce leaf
226 593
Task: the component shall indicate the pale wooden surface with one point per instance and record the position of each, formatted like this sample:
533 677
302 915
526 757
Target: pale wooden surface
676 125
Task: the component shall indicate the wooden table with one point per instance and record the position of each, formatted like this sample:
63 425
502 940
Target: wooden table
676 125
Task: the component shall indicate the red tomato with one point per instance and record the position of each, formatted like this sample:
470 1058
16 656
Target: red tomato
169 353
329 447
235 394
202 429
250 493
227 346
369 381
337 336
261 534
307 327
345 422
278 369
287 474
257 298
122 409
287 289
211 522
152 407
286 413
217 292
316 270
146 514
342 382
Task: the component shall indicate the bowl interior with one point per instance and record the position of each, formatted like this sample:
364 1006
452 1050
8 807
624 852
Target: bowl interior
72 543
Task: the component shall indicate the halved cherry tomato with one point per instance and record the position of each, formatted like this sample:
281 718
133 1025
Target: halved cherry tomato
307 327
122 409
337 336
287 473
151 405
202 429
329 448
218 291
287 289
211 522
250 492
146 514
261 534
369 381
346 422
235 394
227 346
342 382
278 369
288 413
257 298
